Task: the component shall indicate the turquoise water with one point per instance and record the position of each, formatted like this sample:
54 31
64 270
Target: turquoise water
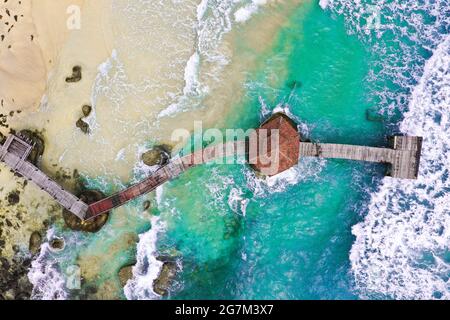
294 243
239 237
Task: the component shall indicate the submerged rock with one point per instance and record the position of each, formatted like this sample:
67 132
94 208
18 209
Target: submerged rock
158 156
35 243
87 109
162 283
83 126
374 115
147 205
76 75
39 145
93 225
125 274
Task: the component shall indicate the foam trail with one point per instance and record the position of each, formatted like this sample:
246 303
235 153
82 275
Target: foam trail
48 282
401 248
147 268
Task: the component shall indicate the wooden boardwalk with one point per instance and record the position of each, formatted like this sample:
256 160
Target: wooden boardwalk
403 157
168 172
15 152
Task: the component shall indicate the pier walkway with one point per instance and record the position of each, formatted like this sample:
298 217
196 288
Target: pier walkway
402 157
14 153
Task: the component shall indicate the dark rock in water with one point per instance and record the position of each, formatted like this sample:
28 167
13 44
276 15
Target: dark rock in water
162 283
93 225
35 243
13 198
373 115
86 110
158 156
58 244
76 75
147 205
125 274
294 84
83 126
39 145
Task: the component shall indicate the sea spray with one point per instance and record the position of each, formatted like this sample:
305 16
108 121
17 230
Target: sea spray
401 248
45 275
148 267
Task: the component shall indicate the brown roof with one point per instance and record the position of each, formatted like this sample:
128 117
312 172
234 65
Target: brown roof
288 150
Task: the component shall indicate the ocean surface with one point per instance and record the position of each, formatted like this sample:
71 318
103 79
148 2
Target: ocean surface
347 72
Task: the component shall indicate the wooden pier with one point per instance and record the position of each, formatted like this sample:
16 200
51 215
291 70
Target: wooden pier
14 154
402 157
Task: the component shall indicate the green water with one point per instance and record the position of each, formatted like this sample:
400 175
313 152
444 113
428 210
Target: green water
291 244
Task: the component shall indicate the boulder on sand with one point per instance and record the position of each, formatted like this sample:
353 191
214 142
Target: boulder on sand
93 225
83 126
76 75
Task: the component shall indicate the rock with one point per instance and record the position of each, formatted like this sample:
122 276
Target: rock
86 110
57 244
76 75
93 225
13 198
147 205
35 243
161 284
374 115
125 274
158 156
39 145
83 126
294 84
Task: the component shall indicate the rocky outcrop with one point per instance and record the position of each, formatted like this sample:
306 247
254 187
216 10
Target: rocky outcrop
35 243
13 198
94 225
146 205
76 75
125 274
14 283
87 109
158 156
39 145
57 244
161 285
83 126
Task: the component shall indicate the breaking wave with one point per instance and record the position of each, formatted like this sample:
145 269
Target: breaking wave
402 247
148 267
45 276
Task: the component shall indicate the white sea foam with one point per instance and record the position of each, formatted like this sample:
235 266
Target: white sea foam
244 13
416 26
237 202
47 280
324 3
214 21
401 248
147 268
